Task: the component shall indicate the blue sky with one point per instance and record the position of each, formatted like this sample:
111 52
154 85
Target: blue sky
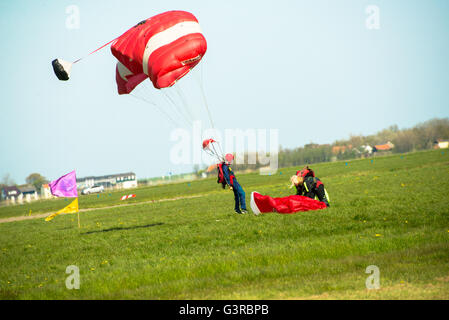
308 68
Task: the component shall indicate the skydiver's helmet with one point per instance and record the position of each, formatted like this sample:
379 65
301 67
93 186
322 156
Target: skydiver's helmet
305 172
229 157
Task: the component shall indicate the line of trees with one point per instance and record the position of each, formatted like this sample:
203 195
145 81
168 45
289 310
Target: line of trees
420 137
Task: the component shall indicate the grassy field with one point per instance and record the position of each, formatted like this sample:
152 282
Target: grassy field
392 212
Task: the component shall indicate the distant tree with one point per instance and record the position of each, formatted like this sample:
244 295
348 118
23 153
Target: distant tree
6 181
37 180
196 170
403 142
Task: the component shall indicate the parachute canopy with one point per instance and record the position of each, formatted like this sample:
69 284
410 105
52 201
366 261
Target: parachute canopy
163 48
294 203
207 144
212 148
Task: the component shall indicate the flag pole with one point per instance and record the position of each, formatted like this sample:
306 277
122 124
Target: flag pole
79 226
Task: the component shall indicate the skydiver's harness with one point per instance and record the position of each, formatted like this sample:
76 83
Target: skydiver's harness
313 182
221 178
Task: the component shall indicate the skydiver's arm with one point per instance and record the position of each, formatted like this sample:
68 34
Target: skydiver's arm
299 190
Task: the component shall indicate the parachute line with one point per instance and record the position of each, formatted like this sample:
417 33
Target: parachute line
156 106
141 92
184 101
176 108
200 82
98 49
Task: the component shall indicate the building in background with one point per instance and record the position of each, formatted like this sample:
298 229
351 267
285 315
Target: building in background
383 147
441 144
27 192
341 149
113 181
45 191
10 194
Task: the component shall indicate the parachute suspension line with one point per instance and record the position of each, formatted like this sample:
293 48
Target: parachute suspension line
199 77
221 152
98 49
200 82
176 107
146 88
155 105
217 154
212 151
184 101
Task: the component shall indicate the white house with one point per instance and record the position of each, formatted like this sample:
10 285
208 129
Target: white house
45 191
443 144
367 149
115 181
27 192
10 194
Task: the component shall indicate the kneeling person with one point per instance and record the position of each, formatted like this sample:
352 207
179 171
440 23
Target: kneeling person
310 186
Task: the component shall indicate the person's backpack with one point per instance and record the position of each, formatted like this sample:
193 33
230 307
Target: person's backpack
305 172
221 179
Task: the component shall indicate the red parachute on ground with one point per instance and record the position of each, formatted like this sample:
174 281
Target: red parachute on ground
291 204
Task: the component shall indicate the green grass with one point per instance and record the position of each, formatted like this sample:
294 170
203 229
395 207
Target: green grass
392 212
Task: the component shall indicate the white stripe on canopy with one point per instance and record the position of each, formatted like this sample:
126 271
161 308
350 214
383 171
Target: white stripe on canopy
168 36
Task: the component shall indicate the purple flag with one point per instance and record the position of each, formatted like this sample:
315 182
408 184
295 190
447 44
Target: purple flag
65 186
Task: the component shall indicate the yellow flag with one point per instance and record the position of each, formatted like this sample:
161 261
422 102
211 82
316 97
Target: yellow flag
71 208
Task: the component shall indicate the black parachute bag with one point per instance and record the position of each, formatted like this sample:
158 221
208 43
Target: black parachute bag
62 69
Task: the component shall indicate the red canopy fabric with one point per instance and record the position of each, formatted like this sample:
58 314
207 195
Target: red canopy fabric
290 204
163 48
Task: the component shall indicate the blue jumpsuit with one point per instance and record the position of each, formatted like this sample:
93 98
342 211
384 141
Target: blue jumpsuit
239 194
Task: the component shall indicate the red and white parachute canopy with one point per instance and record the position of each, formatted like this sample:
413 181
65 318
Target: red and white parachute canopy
163 48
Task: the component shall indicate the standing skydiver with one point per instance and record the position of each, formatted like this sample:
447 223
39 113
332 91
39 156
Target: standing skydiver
227 177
